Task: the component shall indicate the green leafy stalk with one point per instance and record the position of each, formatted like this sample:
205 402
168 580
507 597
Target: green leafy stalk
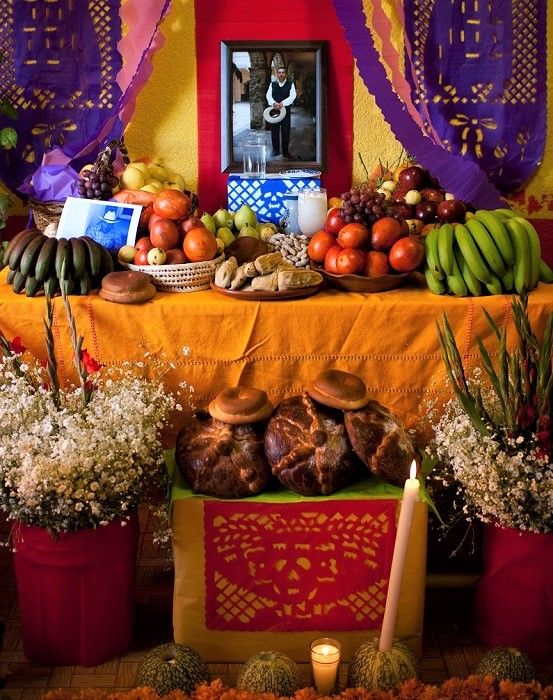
77 344
51 361
457 379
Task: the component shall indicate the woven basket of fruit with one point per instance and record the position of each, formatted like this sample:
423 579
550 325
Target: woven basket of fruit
45 213
189 277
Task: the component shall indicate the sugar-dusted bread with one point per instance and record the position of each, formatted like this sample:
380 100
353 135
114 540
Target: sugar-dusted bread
380 441
307 447
222 460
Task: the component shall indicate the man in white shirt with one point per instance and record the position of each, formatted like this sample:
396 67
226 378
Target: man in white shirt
281 93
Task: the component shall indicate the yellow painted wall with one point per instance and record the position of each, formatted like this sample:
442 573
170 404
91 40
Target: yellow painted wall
164 125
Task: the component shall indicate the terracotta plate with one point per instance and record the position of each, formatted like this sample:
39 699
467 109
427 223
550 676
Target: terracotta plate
259 295
359 283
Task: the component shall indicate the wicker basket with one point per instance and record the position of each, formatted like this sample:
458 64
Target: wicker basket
45 213
190 277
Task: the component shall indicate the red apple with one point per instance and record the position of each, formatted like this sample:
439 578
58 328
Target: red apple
144 243
190 223
175 256
334 220
412 178
407 211
141 257
451 210
426 212
430 194
406 254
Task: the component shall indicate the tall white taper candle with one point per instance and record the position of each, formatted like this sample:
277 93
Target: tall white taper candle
410 497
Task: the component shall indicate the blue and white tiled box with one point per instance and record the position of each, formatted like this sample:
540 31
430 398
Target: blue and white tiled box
266 197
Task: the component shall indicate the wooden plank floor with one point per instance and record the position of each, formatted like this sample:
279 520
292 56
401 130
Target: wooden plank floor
449 647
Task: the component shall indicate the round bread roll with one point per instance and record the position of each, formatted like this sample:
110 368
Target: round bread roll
222 460
127 287
380 441
241 404
307 447
339 389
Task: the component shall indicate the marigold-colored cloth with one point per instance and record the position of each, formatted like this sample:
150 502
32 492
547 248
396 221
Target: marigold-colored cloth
389 339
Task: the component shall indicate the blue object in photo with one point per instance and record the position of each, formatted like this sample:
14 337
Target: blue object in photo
111 226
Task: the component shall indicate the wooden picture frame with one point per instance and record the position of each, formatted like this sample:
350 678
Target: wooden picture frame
248 68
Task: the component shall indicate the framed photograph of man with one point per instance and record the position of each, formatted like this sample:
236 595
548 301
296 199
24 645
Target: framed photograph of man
273 95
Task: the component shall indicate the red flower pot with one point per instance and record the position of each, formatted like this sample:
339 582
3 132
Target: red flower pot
76 592
514 597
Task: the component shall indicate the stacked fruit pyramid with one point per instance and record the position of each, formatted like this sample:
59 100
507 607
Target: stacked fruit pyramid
492 252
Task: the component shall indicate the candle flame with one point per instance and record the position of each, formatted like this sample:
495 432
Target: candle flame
413 472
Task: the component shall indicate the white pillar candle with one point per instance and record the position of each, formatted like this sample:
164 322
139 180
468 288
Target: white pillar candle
312 209
325 661
410 497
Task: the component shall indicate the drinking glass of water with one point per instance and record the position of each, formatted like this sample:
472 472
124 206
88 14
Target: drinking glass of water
312 207
255 156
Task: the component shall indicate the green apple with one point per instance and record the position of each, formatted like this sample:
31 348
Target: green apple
209 222
245 216
175 178
140 166
158 171
225 234
150 188
132 178
223 218
248 231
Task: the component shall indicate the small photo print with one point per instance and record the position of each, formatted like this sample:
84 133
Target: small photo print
109 223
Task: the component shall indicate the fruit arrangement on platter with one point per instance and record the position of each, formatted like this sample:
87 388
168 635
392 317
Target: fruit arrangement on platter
492 252
40 263
171 235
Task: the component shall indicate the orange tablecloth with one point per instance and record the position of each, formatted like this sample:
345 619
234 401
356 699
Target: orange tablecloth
389 338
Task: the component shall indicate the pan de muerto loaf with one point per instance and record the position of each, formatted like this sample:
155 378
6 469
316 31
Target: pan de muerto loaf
307 447
380 441
222 454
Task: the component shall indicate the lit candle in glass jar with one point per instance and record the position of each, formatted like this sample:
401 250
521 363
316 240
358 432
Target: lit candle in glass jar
312 208
325 661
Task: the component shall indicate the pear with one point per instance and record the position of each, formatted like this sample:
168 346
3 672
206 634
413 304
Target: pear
266 231
266 224
225 234
248 231
209 222
223 218
245 216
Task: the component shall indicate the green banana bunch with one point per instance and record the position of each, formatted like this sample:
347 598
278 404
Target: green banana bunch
41 264
494 252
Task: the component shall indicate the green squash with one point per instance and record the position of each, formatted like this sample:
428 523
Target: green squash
381 670
170 667
508 664
269 672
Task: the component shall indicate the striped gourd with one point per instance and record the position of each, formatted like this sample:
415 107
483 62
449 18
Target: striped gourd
507 663
171 667
383 670
269 672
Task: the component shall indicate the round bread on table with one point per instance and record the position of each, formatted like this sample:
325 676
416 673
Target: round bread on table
339 389
307 447
222 460
380 441
240 404
127 287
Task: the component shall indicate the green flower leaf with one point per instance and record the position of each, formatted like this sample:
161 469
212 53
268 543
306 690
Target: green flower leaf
8 138
7 109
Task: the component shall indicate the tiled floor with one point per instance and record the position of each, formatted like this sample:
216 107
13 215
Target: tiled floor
449 648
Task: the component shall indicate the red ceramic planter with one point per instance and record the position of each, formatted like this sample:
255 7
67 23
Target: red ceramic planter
76 593
514 597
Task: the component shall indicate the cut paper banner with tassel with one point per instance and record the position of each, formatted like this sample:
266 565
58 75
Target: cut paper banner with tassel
456 174
71 75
